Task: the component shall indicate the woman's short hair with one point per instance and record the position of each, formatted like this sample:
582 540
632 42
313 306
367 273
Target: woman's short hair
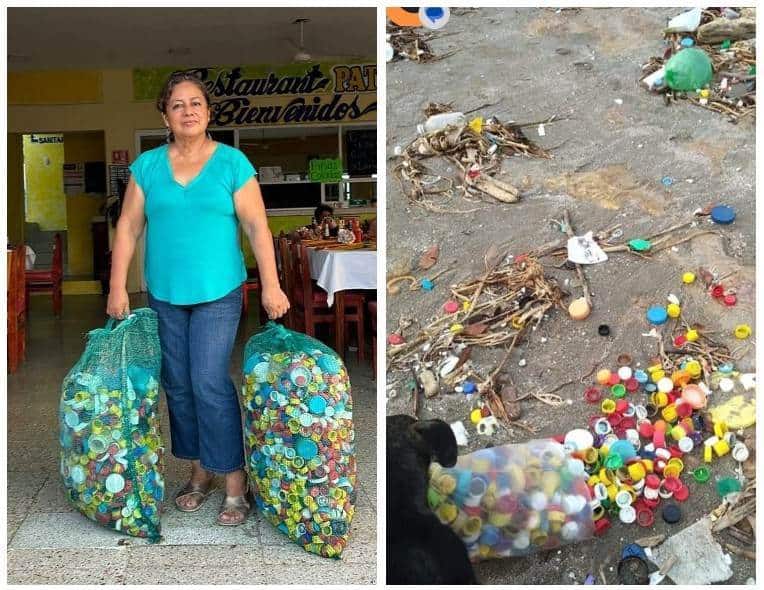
175 79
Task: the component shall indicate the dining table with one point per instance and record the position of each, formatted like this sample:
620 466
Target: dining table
338 268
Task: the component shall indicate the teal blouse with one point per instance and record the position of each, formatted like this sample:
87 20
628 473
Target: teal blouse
192 232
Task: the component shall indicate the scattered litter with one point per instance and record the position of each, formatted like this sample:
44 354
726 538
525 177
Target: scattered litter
584 250
460 433
413 43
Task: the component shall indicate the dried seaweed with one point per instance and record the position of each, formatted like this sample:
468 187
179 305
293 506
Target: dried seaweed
477 156
413 43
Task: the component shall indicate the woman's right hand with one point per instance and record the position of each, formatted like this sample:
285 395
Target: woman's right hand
118 305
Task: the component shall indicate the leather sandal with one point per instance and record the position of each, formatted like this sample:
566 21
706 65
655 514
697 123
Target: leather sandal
238 505
193 489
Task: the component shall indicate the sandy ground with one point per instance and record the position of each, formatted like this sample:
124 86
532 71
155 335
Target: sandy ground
609 156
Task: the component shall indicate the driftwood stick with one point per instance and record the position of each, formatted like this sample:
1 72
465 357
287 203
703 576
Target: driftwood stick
579 270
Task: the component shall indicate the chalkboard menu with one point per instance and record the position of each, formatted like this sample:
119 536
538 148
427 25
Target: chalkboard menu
291 194
361 150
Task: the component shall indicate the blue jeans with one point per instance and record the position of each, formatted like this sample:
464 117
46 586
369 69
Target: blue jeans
205 416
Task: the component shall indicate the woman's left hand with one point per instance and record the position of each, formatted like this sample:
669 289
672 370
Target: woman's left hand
275 302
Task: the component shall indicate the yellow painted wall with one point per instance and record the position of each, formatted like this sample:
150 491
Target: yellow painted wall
15 189
80 209
45 199
54 87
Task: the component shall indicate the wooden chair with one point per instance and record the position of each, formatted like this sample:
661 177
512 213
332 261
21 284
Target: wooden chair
373 316
16 308
310 303
49 280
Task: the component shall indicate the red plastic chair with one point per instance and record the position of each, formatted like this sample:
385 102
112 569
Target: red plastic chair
49 280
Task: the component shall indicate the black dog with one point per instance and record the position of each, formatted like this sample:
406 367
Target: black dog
420 549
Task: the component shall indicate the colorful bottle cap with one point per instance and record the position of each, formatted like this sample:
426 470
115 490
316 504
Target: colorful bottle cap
627 514
742 331
451 306
618 390
624 373
692 335
603 376
592 395
682 494
115 483
722 215
645 517
657 315
671 513
673 310
688 278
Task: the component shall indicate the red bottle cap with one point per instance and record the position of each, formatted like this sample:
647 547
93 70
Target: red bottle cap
601 525
653 481
717 291
614 379
682 493
645 517
680 340
592 395
621 406
632 384
672 484
652 503
730 300
627 423
646 429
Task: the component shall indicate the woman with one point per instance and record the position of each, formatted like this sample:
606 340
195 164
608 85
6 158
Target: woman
191 194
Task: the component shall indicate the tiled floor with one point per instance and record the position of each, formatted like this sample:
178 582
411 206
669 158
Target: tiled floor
50 543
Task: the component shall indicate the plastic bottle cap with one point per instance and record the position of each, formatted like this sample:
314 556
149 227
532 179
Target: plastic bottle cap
592 395
657 315
722 214
682 494
603 376
645 517
640 245
627 514
603 330
665 384
395 339
692 335
671 513
742 331
618 391
673 310
624 373
688 278
730 300
451 306
685 444
726 384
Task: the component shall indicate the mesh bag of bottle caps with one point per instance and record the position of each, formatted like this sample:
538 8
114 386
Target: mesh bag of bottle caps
111 448
299 437
513 500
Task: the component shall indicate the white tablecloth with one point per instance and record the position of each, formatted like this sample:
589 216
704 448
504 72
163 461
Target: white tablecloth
339 271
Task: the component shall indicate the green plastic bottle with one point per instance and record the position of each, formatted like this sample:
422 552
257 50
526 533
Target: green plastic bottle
690 69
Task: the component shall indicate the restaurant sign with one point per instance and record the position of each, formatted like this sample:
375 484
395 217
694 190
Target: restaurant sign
297 94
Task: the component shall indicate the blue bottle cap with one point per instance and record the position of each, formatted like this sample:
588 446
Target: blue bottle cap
722 214
671 513
640 376
306 448
633 550
687 42
657 315
427 285
317 405
469 387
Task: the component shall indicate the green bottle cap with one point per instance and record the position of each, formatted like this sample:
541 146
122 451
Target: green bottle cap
640 245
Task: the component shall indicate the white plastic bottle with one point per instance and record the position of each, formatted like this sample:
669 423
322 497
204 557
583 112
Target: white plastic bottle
441 121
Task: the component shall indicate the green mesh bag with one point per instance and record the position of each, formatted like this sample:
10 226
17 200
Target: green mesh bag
299 437
112 460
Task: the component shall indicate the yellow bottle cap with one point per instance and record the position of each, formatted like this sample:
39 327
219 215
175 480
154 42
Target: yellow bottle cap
688 278
742 331
603 376
692 335
476 416
673 310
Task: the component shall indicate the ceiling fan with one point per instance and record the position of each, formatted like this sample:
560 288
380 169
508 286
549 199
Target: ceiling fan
302 54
